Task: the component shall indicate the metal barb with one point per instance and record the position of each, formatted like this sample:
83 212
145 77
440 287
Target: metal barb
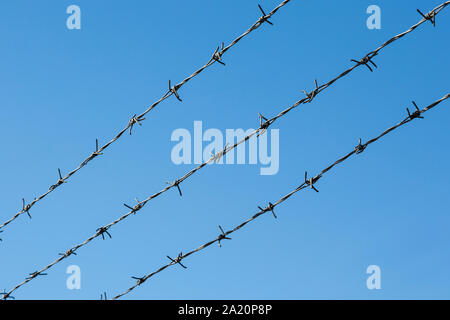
139 280
68 253
265 17
176 183
36 274
311 181
431 16
6 296
312 94
96 153
270 208
217 56
174 90
26 208
360 147
222 236
365 61
416 114
136 208
263 125
177 260
101 231
59 182
134 121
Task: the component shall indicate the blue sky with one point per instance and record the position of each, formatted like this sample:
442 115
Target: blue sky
61 89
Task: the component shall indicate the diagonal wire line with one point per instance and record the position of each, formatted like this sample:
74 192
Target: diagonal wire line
138 119
264 124
308 183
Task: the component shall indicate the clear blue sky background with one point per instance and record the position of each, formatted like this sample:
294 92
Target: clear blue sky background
61 89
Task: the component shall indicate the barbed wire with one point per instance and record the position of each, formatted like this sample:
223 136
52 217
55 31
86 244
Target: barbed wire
138 119
264 125
308 183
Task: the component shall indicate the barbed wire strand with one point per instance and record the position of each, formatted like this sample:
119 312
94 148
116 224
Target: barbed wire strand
138 119
308 183
264 124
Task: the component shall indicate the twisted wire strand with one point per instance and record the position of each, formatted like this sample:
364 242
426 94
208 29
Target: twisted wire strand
271 207
264 125
173 90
